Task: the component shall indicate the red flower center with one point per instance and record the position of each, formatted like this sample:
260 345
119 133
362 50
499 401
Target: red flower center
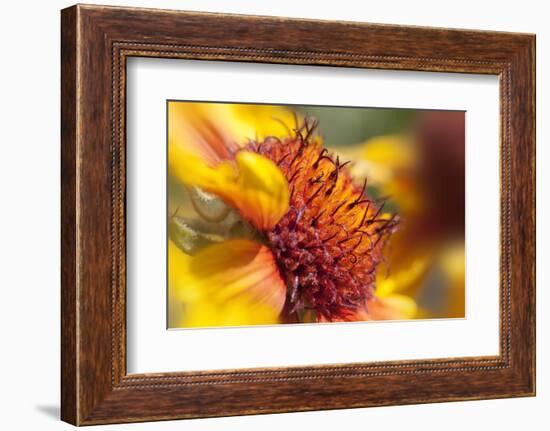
329 243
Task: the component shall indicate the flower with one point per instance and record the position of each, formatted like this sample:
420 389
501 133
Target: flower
423 171
283 233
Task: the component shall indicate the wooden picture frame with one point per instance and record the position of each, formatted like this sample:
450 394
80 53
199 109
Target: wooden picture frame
96 41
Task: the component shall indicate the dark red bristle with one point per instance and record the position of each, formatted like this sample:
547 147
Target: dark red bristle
329 243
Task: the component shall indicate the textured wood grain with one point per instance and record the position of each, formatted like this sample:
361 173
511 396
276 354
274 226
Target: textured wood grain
96 41
69 367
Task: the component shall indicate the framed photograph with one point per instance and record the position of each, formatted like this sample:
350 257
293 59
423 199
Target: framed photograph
266 215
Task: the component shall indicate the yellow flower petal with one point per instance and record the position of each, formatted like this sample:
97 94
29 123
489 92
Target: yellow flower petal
453 264
198 128
252 184
213 131
393 151
252 121
403 279
236 313
178 264
393 307
261 192
235 282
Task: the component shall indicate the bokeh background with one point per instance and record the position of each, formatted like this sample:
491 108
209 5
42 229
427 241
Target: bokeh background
414 160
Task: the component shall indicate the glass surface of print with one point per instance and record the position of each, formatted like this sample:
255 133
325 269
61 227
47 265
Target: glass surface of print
307 214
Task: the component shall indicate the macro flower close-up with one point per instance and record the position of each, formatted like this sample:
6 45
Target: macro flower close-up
268 224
